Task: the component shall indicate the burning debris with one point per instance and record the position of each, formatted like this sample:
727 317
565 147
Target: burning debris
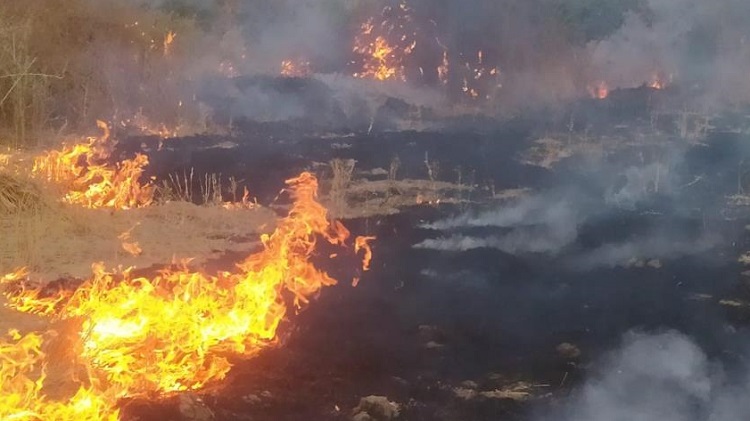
177 331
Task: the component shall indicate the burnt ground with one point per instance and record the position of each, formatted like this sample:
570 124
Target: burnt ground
424 324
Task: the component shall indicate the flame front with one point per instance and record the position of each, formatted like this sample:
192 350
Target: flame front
91 183
175 332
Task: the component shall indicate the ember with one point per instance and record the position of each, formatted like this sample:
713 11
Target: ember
298 68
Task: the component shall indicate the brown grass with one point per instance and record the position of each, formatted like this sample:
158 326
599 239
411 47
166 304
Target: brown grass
64 240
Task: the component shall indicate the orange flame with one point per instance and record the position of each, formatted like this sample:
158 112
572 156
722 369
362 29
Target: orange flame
168 40
130 246
599 90
175 332
385 47
96 185
363 243
658 82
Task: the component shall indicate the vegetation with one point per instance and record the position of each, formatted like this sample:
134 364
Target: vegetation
140 62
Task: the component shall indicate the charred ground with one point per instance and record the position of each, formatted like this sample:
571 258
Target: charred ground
493 329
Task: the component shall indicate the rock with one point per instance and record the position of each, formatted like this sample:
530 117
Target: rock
468 384
375 408
192 408
252 399
568 350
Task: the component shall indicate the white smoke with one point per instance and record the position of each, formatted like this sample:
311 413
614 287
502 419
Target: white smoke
665 377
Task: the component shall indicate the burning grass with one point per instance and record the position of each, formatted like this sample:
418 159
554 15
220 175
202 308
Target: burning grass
90 181
174 332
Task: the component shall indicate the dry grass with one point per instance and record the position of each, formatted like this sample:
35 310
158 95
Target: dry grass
342 170
64 240
19 195
367 198
62 68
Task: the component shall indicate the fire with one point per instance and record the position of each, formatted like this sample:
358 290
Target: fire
174 332
168 40
130 246
480 78
299 68
443 69
385 46
599 90
363 243
22 375
244 203
94 184
658 82
144 125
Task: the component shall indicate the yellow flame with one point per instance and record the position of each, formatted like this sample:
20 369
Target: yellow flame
91 183
174 332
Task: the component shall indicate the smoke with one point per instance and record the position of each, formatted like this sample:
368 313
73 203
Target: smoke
693 42
638 213
658 245
657 377
536 224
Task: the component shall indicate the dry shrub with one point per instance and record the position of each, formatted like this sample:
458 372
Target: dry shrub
66 67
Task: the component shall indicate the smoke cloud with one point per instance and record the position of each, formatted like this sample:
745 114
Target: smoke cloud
658 377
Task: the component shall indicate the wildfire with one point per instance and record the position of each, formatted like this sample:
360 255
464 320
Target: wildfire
175 332
385 46
599 90
479 78
91 182
299 68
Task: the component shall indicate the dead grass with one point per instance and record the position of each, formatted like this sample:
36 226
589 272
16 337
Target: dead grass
64 240
367 198
19 195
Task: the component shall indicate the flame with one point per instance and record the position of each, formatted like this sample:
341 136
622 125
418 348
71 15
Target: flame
245 203
168 40
299 68
174 332
443 69
599 90
480 78
22 376
385 46
145 126
363 243
130 246
658 82
91 183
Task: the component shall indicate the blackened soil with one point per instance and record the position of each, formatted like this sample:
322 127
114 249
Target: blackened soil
422 322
